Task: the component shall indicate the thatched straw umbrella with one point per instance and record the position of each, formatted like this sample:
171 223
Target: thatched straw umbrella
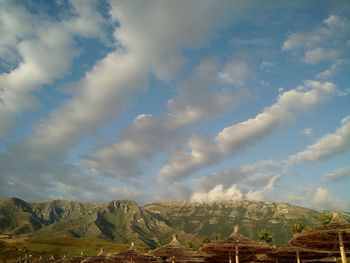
132 255
332 237
236 245
175 252
296 254
74 260
100 259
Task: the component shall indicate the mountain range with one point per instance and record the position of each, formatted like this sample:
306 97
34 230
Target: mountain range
153 224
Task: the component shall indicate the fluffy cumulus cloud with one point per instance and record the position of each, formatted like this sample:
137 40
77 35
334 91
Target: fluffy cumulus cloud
326 147
39 51
218 194
323 198
206 151
233 193
339 174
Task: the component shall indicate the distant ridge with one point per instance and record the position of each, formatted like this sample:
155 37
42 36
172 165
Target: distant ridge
153 224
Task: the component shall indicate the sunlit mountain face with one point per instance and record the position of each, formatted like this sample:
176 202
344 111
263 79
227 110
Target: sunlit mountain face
195 100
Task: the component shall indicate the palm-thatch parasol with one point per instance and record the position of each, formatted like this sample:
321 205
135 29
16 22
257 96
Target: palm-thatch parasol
292 254
132 255
241 247
332 237
75 259
100 259
175 252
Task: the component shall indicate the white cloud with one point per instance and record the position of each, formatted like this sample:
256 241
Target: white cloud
15 24
334 20
247 176
321 44
218 194
307 132
197 100
165 22
105 93
326 147
268 66
106 88
43 50
323 198
266 192
317 55
122 73
331 71
206 151
87 21
305 40
316 198
339 174
141 140
236 72
233 193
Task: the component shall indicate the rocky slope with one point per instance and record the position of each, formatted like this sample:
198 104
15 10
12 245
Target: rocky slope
122 221
218 219
153 224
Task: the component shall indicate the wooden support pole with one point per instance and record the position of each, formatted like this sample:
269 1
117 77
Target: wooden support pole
341 247
237 257
298 257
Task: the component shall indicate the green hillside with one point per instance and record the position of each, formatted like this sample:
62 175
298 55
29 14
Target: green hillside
215 220
153 224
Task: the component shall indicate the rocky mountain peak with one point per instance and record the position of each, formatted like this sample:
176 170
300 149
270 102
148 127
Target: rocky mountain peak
153 224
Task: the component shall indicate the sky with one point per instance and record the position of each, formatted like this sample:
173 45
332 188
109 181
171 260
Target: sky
195 100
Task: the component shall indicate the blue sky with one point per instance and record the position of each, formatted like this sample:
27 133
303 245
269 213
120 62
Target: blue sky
196 100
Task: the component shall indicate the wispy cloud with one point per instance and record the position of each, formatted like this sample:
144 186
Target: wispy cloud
315 197
247 176
339 174
47 48
197 100
327 146
323 44
213 65
206 151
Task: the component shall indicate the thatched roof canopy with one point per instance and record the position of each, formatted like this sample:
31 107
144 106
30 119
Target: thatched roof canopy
235 246
244 244
100 258
324 238
174 251
132 255
291 254
332 237
75 260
